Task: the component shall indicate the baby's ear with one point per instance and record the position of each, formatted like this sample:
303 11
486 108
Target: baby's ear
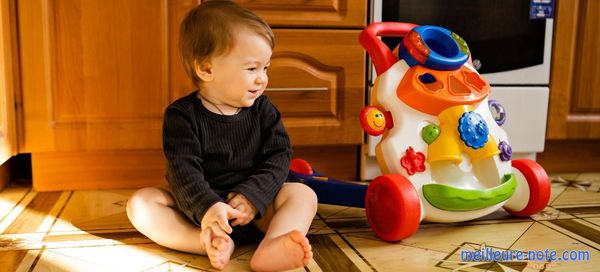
204 70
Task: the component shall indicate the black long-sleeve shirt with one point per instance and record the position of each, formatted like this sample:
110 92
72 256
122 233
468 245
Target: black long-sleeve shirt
209 155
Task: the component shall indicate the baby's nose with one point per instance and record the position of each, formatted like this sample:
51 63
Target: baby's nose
262 78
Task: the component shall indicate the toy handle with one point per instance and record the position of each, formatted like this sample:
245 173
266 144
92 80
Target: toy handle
382 56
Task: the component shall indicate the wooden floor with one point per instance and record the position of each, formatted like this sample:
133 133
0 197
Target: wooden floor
89 231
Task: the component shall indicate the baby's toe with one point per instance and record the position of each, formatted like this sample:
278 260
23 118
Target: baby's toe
307 248
308 255
306 260
218 264
304 242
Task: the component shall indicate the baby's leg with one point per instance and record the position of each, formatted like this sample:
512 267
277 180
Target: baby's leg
286 222
153 212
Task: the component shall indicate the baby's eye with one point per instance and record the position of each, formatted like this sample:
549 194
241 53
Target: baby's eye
252 69
266 68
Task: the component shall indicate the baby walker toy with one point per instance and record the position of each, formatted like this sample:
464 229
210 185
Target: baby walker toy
443 153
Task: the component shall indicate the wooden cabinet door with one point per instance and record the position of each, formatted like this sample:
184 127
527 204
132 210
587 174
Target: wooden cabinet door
317 81
302 13
8 146
97 74
574 111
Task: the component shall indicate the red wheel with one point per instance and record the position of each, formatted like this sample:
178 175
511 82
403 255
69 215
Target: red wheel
393 207
539 186
301 166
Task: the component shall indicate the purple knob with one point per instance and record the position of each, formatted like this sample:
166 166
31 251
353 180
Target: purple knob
500 117
505 151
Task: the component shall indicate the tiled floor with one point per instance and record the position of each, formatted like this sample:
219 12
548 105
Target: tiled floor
89 231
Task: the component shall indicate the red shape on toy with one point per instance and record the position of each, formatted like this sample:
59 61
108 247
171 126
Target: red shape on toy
301 166
389 121
393 207
413 161
539 186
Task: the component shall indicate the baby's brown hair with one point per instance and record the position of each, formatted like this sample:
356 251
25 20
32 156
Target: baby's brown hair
208 30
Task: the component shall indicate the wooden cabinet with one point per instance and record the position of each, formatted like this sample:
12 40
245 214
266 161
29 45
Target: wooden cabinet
574 111
97 76
317 74
318 89
8 128
314 13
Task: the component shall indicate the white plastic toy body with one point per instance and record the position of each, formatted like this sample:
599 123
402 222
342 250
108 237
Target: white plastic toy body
444 155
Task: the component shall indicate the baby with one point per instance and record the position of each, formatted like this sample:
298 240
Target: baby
227 152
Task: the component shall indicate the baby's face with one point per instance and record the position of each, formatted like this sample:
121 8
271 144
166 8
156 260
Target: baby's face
240 76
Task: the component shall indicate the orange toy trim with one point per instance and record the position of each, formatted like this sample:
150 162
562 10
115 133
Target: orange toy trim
432 91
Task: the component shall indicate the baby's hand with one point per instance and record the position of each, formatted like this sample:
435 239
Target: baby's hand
241 203
215 221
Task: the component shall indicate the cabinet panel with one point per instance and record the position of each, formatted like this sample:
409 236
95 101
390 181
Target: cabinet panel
585 99
574 111
317 82
321 13
8 128
95 73
311 91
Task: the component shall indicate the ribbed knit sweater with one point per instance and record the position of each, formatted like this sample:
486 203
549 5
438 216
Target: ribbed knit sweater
209 155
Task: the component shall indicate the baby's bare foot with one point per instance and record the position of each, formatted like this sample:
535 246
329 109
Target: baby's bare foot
220 251
288 251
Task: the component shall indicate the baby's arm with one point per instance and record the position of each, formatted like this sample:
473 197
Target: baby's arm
184 164
272 160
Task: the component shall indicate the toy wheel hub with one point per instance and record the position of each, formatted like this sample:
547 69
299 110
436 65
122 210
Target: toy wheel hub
384 218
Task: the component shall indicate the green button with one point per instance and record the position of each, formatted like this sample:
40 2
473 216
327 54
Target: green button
430 133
